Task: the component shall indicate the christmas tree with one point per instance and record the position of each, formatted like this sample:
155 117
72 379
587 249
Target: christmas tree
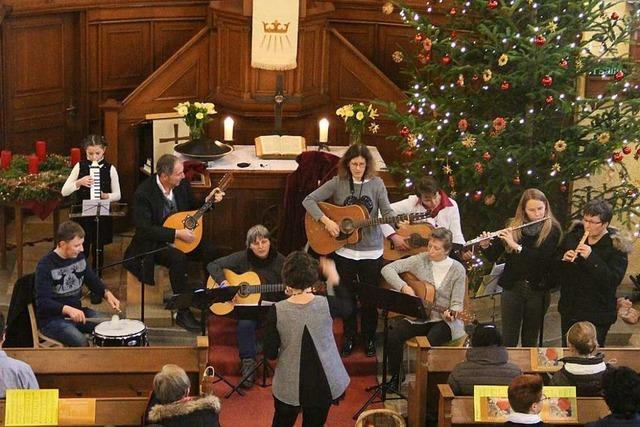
495 106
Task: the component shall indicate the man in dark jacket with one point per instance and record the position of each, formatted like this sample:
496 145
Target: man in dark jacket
593 263
621 390
487 363
159 196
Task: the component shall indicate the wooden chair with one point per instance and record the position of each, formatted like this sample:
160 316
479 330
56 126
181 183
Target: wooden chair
40 340
380 418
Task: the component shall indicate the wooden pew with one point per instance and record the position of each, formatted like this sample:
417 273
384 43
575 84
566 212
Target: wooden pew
434 364
113 411
458 410
110 371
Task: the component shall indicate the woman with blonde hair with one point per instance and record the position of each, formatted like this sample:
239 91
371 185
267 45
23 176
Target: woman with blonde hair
528 253
585 368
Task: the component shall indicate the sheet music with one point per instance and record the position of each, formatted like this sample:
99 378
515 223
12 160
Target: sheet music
490 281
90 207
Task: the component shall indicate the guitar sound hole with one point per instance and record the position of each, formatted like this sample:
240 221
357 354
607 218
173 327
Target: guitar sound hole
190 223
244 291
347 226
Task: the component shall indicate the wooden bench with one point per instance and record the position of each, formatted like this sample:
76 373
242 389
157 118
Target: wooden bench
458 410
112 411
110 371
434 364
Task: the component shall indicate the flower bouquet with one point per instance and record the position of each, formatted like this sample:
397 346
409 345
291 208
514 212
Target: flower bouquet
357 118
195 115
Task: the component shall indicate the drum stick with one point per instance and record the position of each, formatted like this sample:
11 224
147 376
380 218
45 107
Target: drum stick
95 319
584 239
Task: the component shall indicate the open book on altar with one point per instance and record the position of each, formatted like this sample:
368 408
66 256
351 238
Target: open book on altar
279 147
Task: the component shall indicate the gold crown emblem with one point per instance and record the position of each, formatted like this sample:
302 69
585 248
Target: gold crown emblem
275 27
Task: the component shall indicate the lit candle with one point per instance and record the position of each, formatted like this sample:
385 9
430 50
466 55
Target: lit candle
75 156
33 164
324 131
228 129
5 159
41 150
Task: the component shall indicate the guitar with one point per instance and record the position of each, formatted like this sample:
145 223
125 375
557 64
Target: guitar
417 237
427 294
191 219
249 290
350 219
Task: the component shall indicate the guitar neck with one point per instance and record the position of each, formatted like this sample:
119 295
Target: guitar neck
261 289
384 220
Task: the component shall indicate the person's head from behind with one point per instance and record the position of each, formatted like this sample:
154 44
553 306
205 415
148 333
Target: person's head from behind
440 243
259 241
300 270
582 338
525 394
486 335
357 162
621 390
428 190
94 147
171 384
69 239
170 170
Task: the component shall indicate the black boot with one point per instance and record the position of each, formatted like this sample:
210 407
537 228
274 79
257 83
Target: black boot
347 346
370 346
185 319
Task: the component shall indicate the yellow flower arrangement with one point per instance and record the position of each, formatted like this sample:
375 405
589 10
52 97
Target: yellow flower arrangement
357 118
195 115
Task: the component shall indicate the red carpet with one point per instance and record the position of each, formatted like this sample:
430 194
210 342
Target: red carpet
256 407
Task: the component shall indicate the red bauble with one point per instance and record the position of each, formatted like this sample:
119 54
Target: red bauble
453 11
563 188
477 196
404 132
626 149
478 167
423 59
418 37
615 16
564 64
446 59
516 180
463 125
549 100
453 35
547 81
492 4
475 77
617 156
486 156
540 40
407 154
618 76
505 85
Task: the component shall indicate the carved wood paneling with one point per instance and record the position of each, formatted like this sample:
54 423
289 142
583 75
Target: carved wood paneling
125 54
168 37
360 35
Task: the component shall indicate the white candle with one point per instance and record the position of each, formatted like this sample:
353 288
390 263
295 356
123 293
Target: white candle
228 129
324 130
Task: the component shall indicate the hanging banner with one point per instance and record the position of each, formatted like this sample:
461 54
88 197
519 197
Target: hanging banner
274 41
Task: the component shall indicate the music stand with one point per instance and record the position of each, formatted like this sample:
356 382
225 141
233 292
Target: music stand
95 209
400 303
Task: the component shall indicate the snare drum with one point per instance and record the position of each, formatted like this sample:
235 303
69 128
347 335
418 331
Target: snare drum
120 333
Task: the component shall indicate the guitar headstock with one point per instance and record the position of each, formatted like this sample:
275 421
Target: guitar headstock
418 216
225 181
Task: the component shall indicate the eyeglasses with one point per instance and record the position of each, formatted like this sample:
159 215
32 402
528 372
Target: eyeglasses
588 221
543 398
358 164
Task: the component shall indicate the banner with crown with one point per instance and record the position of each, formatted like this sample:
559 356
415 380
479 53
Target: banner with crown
274 41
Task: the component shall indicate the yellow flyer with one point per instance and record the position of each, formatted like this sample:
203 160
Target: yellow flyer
560 405
31 408
546 359
490 403
77 412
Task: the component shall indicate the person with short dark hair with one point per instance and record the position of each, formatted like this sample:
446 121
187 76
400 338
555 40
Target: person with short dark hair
585 368
310 375
621 390
159 196
264 259
525 398
58 289
590 271
486 362
174 407
14 374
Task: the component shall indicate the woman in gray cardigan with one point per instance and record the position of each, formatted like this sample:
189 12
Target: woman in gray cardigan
355 183
448 276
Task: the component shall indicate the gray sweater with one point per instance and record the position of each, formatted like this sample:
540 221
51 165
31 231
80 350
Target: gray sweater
449 294
337 190
484 366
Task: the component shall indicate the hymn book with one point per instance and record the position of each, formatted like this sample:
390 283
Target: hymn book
279 147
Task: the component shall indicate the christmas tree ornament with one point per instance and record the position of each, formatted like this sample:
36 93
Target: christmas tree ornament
407 154
556 167
617 156
446 169
404 132
479 168
424 59
502 61
418 37
563 188
552 26
499 124
469 141
560 145
615 16
387 8
460 81
453 11
477 196
547 81
487 75
619 75
540 40
604 138
463 125
489 199
412 140
446 59
452 181
427 44
475 78
397 56
505 85
486 156
516 180
626 149
564 63
637 155
453 35
492 4
549 100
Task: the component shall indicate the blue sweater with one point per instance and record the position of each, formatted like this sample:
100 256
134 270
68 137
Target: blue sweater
59 283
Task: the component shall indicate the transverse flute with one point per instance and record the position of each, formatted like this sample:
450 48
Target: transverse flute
495 233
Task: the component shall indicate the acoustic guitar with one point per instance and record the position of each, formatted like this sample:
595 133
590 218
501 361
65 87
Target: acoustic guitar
249 292
190 220
427 294
350 219
416 237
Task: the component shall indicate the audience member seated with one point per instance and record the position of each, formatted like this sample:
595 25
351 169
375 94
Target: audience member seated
586 368
176 408
58 289
263 259
525 398
487 362
621 390
13 373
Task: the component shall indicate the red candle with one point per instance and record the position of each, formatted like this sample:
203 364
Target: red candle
5 159
41 150
75 156
33 164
